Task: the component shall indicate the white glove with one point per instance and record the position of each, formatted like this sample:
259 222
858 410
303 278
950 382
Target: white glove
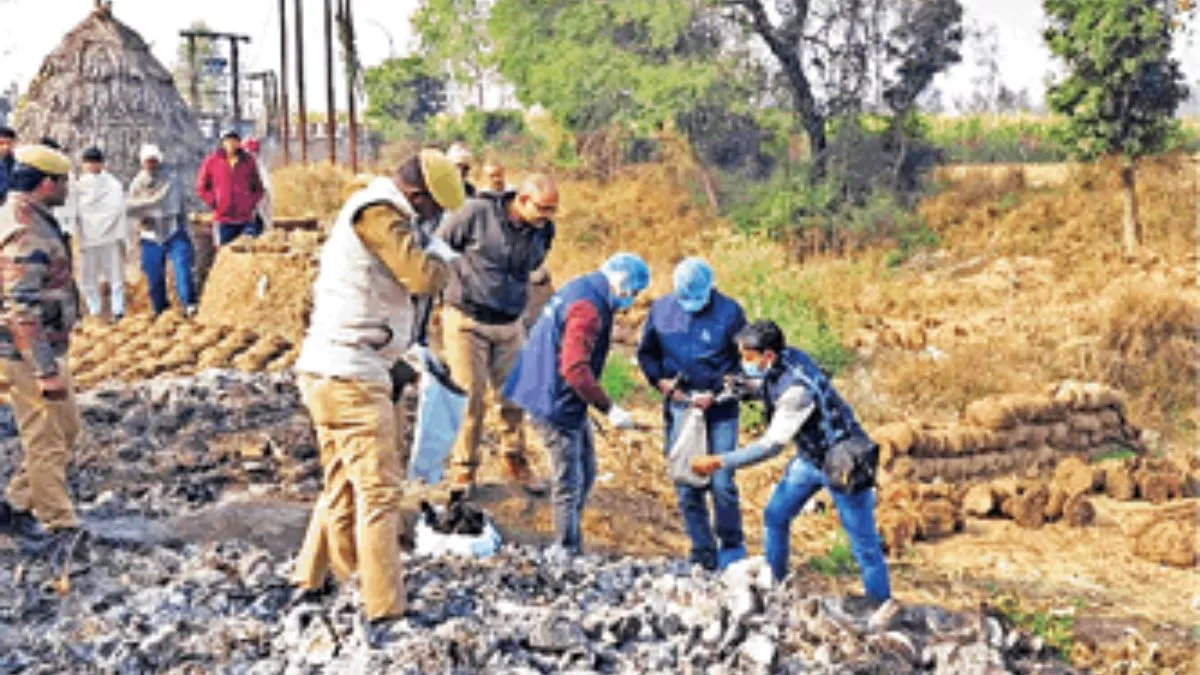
440 249
620 418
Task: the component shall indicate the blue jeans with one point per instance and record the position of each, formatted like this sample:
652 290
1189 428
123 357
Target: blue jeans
227 232
154 264
693 501
573 455
856 512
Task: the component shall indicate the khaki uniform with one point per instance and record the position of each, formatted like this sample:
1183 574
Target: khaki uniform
38 309
369 270
480 354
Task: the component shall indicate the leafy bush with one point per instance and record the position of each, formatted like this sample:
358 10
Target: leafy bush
478 128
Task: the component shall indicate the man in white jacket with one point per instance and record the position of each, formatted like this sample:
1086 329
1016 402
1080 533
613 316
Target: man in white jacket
97 220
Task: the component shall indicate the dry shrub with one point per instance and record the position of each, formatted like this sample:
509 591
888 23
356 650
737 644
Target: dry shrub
309 191
1147 347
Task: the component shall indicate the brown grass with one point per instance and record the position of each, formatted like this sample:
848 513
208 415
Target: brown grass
309 191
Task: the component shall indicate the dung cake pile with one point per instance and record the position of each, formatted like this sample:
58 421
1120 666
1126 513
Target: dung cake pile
1009 434
263 284
142 347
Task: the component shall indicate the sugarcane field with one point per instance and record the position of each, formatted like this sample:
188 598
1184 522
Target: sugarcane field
638 336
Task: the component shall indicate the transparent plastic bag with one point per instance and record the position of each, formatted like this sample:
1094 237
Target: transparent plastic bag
690 442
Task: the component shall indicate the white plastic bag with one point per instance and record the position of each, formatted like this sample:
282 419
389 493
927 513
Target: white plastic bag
440 408
690 442
433 543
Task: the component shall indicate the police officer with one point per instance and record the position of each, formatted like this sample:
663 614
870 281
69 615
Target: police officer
833 452
37 312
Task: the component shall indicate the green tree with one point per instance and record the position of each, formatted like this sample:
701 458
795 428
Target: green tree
402 94
454 37
1123 86
596 63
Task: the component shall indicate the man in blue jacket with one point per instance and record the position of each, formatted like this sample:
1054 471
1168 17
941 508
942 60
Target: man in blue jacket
557 377
833 452
688 347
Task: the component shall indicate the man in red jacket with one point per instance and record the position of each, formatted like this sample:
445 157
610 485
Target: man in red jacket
229 183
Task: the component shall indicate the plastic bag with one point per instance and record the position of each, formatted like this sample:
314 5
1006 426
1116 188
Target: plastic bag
440 408
430 542
690 442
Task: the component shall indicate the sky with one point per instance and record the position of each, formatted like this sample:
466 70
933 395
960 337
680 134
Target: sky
28 32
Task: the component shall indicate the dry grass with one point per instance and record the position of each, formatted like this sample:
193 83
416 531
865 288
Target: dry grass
309 191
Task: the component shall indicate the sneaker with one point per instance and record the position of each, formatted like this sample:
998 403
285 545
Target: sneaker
516 467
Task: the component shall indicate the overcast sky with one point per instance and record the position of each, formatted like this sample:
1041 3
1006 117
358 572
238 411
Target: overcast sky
28 32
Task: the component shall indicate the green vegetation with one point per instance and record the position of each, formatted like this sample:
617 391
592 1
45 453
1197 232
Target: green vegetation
1122 87
1057 628
621 379
1115 453
838 560
767 293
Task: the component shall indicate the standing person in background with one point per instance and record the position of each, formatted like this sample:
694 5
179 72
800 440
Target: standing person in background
38 312
263 214
7 138
229 183
501 241
461 156
96 209
493 174
155 205
557 378
688 348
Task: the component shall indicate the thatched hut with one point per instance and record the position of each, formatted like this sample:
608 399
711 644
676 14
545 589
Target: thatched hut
102 86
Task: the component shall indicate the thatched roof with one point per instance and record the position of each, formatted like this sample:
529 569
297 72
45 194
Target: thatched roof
102 86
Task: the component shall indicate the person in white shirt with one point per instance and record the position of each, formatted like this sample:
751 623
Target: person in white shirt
264 211
97 220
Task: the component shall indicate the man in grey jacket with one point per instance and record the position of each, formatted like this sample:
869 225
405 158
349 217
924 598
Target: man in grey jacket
502 240
155 206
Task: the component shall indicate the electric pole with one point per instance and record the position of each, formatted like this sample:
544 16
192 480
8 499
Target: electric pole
330 102
234 41
285 122
351 84
302 121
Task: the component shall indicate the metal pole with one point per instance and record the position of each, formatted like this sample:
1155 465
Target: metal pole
352 102
302 120
284 109
237 93
193 74
330 102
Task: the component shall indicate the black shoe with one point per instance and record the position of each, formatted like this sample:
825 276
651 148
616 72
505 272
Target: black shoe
23 526
311 596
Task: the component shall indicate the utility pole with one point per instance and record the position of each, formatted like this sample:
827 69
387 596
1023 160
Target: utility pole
234 41
351 85
302 120
269 87
194 76
285 122
330 102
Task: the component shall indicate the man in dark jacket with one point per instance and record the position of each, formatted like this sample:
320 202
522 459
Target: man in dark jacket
229 183
557 378
501 242
806 411
688 348
8 138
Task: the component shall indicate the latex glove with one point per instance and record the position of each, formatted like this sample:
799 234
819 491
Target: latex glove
440 249
620 418
706 465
